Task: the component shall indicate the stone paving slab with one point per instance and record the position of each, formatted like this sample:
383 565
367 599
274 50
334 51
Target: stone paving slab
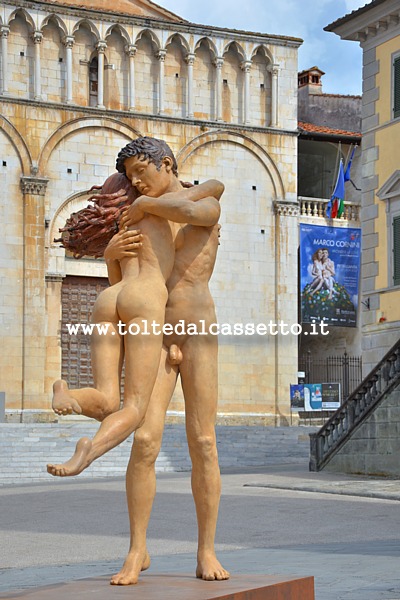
384 490
298 478
70 530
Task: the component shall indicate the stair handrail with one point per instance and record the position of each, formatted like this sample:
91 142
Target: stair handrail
332 435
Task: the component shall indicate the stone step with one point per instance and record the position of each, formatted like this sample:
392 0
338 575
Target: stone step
25 449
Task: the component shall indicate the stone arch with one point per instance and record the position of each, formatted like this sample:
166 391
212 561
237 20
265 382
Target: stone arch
239 49
176 76
241 140
178 36
211 46
267 52
261 87
121 30
21 11
91 26
233 83
55 18
154 38
76 125
53 59
19 144
116 80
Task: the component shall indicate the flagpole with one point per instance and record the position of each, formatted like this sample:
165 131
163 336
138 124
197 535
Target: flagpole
348 154
337 163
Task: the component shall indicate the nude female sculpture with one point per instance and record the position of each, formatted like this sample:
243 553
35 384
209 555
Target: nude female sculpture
196 241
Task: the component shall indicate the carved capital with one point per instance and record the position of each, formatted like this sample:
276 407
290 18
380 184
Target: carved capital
35 186
101 46
161 54
190 58
274 70
54 277
37 37
4 31
218 62
286 209
130 50
68 41
246 66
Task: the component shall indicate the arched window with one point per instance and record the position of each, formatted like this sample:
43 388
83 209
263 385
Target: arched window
93 81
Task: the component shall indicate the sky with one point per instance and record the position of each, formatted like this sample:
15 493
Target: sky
340 60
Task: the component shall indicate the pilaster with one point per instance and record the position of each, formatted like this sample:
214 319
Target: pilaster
34 291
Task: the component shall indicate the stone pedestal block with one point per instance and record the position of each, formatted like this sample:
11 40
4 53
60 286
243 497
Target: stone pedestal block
179 587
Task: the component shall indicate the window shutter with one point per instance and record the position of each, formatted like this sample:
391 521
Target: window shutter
396 94
396 250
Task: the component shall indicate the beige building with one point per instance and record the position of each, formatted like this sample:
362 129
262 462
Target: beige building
78 82
377 28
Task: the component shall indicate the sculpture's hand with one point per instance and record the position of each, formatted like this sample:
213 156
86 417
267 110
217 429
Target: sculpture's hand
123 244
133 213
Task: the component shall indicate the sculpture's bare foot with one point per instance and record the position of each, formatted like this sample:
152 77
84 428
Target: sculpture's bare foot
63 402
134 563
77 463
209 567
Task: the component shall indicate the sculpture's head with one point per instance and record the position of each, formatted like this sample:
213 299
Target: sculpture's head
117 182
147 148
150 166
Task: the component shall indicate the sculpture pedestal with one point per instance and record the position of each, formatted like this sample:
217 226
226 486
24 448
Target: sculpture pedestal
178 587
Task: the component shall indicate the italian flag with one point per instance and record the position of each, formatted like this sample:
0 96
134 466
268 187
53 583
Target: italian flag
335 206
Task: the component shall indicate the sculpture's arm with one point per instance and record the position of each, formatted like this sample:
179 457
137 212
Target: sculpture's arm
122 245
197 205
212 187
203 212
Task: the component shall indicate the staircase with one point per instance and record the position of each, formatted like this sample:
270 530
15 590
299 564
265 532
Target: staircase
379 385
25 448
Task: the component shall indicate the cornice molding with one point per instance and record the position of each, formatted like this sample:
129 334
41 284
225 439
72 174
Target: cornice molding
101 113
150 22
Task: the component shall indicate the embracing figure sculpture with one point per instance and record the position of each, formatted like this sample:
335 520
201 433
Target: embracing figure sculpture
186 220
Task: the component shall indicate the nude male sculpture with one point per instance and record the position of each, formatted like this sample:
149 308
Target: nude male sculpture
189 298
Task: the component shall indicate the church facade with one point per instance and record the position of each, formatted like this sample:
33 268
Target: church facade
78 82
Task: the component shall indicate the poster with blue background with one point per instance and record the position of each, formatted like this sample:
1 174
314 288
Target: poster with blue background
329 274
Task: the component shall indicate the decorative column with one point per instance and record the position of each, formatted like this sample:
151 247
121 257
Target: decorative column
286 346
190 58
68 43
274 70
4 31
37 40
34 292
101 48
218 63
161 54
131 52
246 66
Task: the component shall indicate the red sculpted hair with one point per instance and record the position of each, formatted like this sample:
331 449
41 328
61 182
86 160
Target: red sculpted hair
88 231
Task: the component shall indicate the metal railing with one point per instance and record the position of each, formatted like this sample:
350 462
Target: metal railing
379 382
344 369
